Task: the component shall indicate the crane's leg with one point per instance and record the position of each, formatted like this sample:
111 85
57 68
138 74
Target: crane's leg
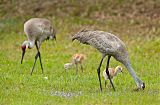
107 72
34 62
98 71
39 54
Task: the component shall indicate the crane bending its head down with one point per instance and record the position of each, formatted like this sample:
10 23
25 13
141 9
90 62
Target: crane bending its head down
108 44
37 30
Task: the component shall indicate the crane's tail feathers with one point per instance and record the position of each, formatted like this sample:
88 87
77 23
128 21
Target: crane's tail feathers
53 34
84 30
53 37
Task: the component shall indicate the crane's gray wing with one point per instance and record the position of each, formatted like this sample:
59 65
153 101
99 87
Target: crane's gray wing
105 42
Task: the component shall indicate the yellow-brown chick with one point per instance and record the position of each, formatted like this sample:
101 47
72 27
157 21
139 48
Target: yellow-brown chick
76 59
112 72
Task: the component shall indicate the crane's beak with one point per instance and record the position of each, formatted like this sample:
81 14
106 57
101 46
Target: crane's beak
23 53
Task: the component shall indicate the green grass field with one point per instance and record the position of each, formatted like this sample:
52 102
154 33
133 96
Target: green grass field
17 87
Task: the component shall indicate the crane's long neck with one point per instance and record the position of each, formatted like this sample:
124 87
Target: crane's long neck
133 74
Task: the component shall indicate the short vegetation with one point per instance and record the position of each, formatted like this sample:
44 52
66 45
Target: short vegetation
136 22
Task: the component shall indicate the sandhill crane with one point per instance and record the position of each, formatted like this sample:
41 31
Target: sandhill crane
76 59
37 30
108 44
112 73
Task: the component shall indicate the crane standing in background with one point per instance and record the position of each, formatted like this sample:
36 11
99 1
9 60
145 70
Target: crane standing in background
37 30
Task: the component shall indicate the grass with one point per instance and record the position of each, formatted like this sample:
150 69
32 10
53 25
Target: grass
18 87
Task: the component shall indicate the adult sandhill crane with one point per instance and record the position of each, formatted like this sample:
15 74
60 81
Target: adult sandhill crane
37 30
108 44
112 73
